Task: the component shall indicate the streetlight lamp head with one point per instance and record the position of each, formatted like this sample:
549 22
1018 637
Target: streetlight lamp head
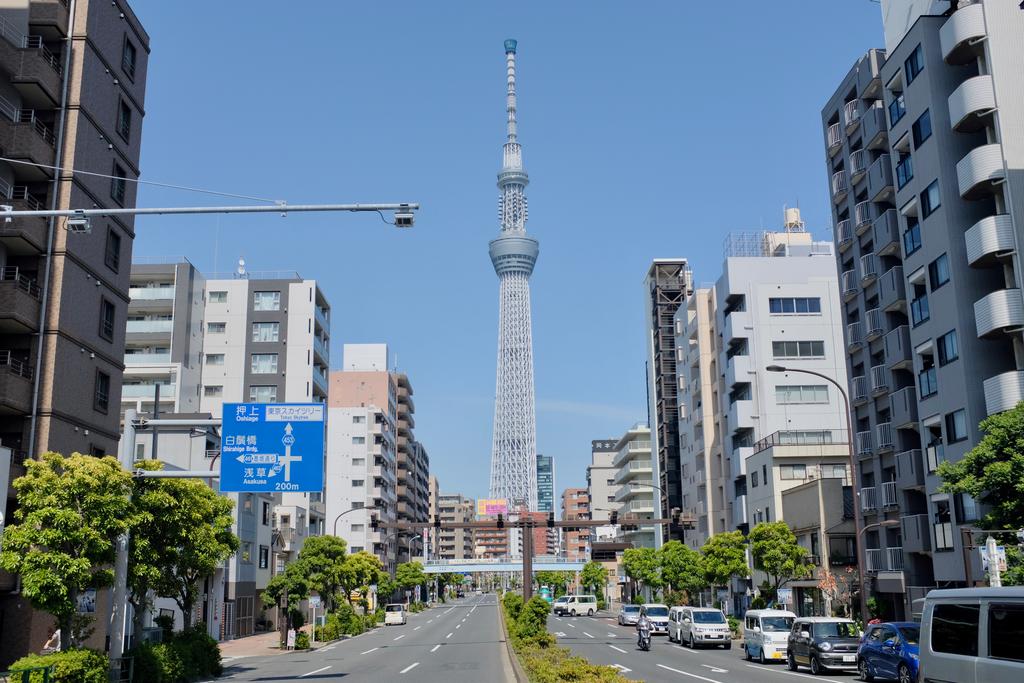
775 368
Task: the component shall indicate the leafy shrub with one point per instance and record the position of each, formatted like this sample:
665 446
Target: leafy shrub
73 666
557 664
199 653
638 599
513 604
157 663
734 626
533 618
601 604
758 603
301 640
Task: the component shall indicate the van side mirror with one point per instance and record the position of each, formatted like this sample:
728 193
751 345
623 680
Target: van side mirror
889 643
805 634
686 620
757 629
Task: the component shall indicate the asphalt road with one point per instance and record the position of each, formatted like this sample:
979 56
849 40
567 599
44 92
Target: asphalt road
453 643
602 641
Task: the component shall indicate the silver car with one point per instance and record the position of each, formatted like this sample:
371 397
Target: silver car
628 615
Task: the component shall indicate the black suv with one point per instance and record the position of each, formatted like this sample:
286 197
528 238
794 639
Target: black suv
823 643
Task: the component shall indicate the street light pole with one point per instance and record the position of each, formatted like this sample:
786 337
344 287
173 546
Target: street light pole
858 522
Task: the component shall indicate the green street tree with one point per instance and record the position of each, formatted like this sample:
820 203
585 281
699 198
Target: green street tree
70 512
361 570
724 556
290 587
642 566
555 579
682 567
594 577
409 575
323 558
775 552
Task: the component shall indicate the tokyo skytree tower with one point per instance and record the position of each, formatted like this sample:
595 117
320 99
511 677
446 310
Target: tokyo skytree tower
513 253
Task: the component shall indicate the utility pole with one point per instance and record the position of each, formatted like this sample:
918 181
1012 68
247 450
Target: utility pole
527 529
995 579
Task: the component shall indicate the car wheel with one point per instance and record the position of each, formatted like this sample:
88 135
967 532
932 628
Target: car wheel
791 662
746 651
903 674
693 645
760 657
590 612
816 668
728 646
862 669
573 612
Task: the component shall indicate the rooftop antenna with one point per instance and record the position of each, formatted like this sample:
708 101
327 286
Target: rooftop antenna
241 267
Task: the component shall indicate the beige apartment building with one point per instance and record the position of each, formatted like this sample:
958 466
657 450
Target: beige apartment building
72 92
452 544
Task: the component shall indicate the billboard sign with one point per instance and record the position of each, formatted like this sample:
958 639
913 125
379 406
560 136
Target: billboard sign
492 506
270 447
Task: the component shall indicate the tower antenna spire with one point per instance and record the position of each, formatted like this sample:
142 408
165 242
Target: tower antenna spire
510 103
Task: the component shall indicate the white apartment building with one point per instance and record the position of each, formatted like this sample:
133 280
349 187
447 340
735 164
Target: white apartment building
634 476
601 487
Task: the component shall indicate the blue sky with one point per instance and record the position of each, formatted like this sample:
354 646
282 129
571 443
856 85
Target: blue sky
649 129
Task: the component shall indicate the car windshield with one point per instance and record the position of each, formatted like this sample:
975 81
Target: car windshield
393 608
835 629
657 611
630 609
776 623
709 617
562 599
911 634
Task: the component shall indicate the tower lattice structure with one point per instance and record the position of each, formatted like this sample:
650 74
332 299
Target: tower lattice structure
513 254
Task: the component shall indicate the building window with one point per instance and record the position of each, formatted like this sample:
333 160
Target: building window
266 332
358 440
101 392
897 109
286 520
801 393
265 513
118 183
793 472
263 394
218 297
919 310
929 383
112 251
358 462
912 237
128 55
266 301
358 419
833 471
264 557
753 480
124 120
956 426
914 64
955 629
930 199
245 552
948 348
216 328
263 363
107 313
904 170
798 349
213 390
357 505
938 272
215 359
356 483
922 128
794 305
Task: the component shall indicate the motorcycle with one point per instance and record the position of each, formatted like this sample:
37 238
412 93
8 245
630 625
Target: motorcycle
644 640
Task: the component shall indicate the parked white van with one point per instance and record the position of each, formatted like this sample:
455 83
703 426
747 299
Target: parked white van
766 633
972 635
578 604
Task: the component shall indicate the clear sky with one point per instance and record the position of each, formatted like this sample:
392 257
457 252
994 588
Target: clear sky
650 129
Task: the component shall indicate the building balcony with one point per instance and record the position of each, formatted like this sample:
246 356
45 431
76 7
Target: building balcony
738 461
19 302
972 104
147 358
910 470
980 170
147 392
894 558
320 379
739 509
876 323
874 559
903 408
26 235
162 293
999 311
737 326
860 389
849 284
898 352
844 234
880 185
25 137
320 349
988 239
960 35
320 315
864 443
851 115
741 415
884 439
840 186
863 217
886 229
1003 391
916 533
890 497
874 128
149 326
738 369
858 165
854 336
835 139
892 290
868 269
879 380
37 71
868 499
632 470
15 385
49 18
639 506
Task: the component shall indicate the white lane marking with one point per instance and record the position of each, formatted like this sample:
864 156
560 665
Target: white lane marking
558 618
474 607
315 672
617 649
417 628
621 668
409 668
463 620
449 610
587 635
793 673
699 678
400 637
449 635
372 649
434 649
429 620
715 669
612 635
457 626
327 649
571 625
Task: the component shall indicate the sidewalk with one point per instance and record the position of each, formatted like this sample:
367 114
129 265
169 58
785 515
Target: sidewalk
259 645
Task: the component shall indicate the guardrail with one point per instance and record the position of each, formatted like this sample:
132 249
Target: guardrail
25 675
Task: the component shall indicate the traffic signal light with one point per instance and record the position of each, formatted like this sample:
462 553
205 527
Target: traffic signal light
374 524
551 520
613 518
501 521
676 513
437 521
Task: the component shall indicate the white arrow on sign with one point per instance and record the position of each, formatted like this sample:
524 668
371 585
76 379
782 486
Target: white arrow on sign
287 459
257 458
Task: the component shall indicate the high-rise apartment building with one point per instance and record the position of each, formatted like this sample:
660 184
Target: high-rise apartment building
601 487
575 505
72 91
413 468
923 146
454 544
634 475
666 287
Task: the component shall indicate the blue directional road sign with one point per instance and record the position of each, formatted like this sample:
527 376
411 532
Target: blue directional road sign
272 447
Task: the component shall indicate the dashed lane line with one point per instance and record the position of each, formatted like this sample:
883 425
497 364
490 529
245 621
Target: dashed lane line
400 637
449 635
409 668
684 673
587 635
417 628
372 649
434 649
617 649
315 672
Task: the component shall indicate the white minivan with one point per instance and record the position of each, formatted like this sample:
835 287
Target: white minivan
972 635
766 634
702 626
577 605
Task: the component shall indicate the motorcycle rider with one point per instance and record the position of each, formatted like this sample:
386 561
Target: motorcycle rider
642 623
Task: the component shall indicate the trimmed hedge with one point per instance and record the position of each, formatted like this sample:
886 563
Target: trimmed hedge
187 656
73 666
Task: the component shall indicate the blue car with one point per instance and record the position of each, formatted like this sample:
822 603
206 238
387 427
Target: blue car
889 651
